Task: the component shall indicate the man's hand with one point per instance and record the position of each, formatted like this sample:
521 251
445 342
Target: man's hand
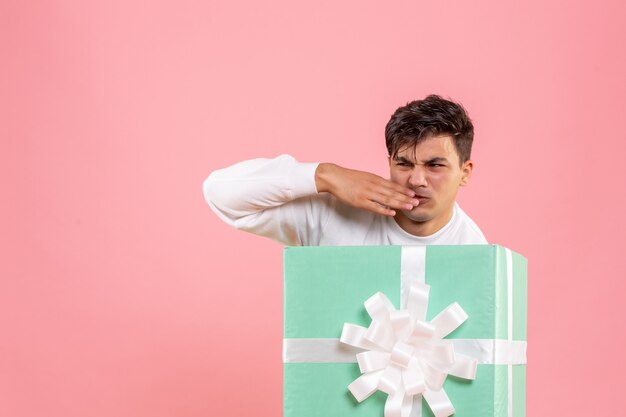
364 190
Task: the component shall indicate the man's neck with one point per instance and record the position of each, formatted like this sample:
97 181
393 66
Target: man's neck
423 229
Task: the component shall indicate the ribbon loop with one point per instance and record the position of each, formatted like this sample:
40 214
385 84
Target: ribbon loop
378 306
365 385
442 353
422 330
401 354
398 405
401 323
380 334
390 380
354 335
439 403
449 319
372 360
413 378
463 367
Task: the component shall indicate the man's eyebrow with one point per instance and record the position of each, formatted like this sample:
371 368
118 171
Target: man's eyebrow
403 159
436 160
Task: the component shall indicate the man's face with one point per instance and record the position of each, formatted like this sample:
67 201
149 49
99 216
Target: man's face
432 170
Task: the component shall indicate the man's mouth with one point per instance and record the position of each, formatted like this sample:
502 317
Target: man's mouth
422 198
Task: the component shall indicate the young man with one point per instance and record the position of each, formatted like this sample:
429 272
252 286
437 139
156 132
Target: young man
429 143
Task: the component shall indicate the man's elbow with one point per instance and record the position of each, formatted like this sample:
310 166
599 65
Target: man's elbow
208 189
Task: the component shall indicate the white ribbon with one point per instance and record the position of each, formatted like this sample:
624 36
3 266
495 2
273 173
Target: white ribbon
331 350
509 317
406 356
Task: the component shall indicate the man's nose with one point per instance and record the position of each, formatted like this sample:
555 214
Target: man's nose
418 177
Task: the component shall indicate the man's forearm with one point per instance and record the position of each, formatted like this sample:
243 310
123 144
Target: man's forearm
259 184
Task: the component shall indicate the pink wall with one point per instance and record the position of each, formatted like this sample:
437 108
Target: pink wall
122 295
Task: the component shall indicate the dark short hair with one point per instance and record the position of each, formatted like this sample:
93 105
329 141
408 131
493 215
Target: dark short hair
432 116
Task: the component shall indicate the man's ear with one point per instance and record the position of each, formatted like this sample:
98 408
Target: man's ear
466 172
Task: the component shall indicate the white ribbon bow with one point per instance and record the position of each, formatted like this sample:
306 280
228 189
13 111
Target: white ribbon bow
405 355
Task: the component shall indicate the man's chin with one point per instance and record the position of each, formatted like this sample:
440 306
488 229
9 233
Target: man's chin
417 215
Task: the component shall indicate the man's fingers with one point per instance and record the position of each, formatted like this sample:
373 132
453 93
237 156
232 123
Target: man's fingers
392 187
395 195
380 209
397 201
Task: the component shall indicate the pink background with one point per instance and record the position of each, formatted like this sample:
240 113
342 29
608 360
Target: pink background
121 294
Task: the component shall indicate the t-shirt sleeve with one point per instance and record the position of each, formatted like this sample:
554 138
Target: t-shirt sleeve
276 198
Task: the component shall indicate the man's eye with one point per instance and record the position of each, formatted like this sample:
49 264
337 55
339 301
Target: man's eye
436 165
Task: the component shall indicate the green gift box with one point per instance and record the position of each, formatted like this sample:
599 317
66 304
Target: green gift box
325 287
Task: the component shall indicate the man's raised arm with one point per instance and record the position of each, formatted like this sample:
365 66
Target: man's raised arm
253 196
268 196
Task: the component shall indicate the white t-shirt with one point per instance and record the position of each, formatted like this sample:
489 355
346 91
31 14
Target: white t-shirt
277 198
